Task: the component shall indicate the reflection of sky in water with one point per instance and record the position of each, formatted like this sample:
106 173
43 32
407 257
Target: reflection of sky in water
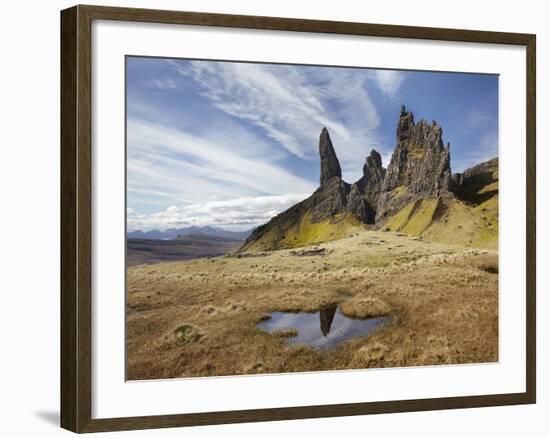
309 327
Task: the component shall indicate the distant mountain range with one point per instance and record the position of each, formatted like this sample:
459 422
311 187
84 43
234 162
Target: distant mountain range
173 233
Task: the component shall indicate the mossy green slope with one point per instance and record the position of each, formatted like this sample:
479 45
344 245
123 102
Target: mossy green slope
422 217
465 225
469 218
451 222
308 232
305 231
400 219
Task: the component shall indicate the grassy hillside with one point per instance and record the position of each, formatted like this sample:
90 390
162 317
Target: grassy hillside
469 218
304 231
414 218
451 221
475 226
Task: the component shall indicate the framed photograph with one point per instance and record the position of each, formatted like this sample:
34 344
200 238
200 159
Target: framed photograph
270 218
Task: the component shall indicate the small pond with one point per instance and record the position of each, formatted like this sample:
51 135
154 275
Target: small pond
323 329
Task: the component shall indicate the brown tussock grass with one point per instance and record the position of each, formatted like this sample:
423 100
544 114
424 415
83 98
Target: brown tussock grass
362 307
442 300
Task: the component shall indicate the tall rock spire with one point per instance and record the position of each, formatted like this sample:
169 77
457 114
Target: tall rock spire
330 167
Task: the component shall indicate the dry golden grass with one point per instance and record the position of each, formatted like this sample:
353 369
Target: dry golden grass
362 307
443 301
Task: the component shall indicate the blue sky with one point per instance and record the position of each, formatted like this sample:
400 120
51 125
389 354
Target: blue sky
231 144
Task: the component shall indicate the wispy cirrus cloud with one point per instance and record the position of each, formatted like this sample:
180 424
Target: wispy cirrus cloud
212 160
201 133
291 104
259 121
389 81
166 165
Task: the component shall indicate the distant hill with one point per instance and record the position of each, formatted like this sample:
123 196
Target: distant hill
417 194
191 246
173 233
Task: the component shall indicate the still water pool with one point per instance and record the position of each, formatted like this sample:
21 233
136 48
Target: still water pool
323 329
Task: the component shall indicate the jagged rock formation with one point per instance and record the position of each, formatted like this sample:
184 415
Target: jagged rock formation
330 166
357 205
419 167
330 212
373 178
416 194
364 194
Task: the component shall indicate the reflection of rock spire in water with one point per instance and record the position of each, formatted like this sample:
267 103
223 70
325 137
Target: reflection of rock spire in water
326 316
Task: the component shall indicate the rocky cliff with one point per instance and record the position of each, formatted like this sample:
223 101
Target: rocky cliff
419 168
365 193
416 194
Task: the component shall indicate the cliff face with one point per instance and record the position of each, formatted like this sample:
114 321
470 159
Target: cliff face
419 167
477 183
415 194
365 193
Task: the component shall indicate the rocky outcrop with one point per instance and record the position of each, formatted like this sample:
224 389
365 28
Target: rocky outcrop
330 167
478 183
373 178
364 194
416 185
326 202
330 199
419 167
357 205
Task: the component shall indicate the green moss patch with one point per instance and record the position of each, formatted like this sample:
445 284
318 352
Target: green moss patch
186 334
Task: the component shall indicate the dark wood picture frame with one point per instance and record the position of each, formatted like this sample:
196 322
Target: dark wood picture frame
76 218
